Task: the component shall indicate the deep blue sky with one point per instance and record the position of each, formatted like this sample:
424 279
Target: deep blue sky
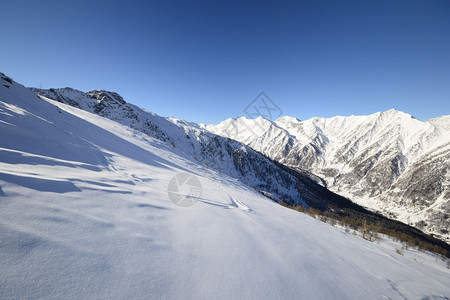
205 61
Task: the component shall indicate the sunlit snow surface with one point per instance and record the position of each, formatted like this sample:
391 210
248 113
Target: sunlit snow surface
85 213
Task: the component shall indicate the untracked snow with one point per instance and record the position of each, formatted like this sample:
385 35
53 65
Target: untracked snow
85 213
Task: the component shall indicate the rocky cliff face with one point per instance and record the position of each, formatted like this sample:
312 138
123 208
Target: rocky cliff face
388 161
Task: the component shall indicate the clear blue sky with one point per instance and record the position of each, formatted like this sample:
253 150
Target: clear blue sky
204 61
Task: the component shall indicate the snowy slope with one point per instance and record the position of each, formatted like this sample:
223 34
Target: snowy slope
85 213
443 121
388 161
227 156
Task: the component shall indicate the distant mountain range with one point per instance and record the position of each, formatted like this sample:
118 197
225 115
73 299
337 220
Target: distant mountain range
388 161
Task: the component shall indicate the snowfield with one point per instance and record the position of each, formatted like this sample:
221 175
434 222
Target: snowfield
85 213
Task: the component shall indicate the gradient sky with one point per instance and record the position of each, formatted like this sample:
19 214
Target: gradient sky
205 61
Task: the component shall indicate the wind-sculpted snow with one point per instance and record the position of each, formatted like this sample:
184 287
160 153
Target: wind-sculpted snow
117 235
388 161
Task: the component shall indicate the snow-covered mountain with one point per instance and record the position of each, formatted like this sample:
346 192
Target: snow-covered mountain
85 213
225 155
388 161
